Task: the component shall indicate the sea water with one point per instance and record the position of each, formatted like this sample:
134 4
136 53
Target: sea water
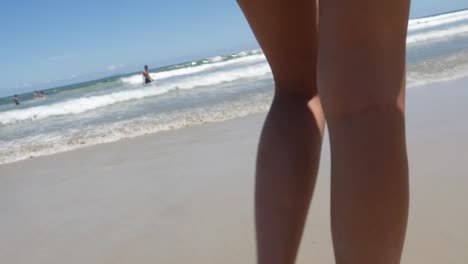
194 92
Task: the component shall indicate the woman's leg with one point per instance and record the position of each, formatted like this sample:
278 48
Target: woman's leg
361 74
289 148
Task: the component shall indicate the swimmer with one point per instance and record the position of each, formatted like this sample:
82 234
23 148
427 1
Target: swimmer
16 99
146 75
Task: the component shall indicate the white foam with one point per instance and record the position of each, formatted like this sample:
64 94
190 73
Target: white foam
216 59
47 144
138 79
437 35
242 53
80 105
427 22
438 70
420 81
225 76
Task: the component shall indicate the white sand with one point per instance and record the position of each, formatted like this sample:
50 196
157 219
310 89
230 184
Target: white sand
187 196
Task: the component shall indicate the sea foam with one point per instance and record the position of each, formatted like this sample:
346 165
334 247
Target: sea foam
438 20
83 104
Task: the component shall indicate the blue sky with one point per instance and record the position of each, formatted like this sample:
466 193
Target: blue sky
48 43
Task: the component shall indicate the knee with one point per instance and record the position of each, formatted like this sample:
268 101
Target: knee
297 95
341 107
348 95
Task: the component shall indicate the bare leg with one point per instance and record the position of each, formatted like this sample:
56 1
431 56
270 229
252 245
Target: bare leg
289 148
361 83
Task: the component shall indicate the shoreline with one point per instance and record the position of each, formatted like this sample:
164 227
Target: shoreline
434 85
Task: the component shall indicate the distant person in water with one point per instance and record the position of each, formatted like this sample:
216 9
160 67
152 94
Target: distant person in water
16 100
146 75
39 95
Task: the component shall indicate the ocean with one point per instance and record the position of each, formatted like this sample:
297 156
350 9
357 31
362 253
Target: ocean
192 93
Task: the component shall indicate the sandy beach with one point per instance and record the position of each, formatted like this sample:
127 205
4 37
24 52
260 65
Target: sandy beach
186 196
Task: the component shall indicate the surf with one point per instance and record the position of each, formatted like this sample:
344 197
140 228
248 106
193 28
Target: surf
84 104
437 20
